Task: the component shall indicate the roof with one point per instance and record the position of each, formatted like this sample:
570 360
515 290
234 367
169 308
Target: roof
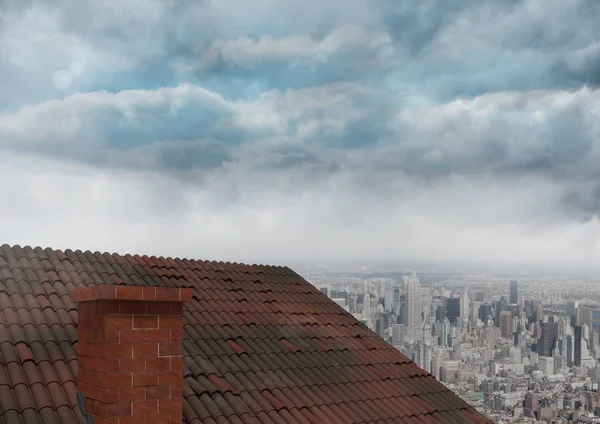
261 345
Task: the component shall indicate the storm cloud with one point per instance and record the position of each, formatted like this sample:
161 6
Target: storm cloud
306 130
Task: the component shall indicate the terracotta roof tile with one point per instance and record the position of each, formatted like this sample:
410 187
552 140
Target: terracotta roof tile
260 345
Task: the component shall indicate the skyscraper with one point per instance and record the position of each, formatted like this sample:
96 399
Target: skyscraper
548 338
367 310
413 307
444 333
577 348
389 297
513 292
506 324
453 308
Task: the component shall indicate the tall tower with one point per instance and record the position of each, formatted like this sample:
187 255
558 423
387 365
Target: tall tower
413 307
513 292
367 309
464 305
506 324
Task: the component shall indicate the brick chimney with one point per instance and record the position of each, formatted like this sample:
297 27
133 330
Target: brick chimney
130 354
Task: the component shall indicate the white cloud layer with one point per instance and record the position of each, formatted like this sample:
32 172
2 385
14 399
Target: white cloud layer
303 130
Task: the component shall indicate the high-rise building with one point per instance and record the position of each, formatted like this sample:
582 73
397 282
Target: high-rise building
389 298
584 316
479 296
513 292
396 329
572 306
440 312
453 309
367 310
547 340
413 307
402 312
444 333
485 312
506 324
578 340
464 304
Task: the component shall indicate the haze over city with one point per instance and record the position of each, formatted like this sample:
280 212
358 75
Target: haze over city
304 130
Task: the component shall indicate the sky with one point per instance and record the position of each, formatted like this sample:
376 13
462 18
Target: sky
271 131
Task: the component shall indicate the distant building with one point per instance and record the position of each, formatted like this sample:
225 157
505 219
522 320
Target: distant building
453 309
413 307
549 334
444 333
485 312
572 306
513 292
506 324
578 339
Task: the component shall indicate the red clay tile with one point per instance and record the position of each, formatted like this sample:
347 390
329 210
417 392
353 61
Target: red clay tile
246 327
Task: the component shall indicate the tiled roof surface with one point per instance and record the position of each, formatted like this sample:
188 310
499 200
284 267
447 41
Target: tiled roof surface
261 345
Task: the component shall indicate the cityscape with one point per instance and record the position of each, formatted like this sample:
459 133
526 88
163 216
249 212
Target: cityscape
299 212
518 350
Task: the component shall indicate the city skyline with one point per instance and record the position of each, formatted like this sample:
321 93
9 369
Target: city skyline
513 349
303 130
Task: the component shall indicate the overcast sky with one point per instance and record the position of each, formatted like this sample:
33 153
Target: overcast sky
272 130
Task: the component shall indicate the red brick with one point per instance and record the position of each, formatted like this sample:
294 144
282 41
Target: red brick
176 308
132 365
145 407
177 389
107 307
149 293
132 307
148 378
145 350
104 292
176 363
81 295
115 379
132 336
131 393
158 364
170 349
97 393
137 419
145 322
120 409
159 308
170 377
177 417
85 335
95 321
162 391
118 350
84 349
118 322
109 336
106 420
106 364
88 376
167 293
170 405
186 295
158 419
94 406
176 336
158 336
170 322
130 292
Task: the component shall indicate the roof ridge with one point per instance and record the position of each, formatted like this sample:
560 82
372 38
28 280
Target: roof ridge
151 256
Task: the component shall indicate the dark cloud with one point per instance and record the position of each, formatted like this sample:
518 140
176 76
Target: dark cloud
367 116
